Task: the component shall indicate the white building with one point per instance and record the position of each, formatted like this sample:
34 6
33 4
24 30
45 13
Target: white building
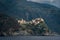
37 20
21 21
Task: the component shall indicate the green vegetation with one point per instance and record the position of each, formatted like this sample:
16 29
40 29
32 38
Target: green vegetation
8 25
34 30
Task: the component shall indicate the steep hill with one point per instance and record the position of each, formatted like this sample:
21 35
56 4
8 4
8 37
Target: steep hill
30 10
8 25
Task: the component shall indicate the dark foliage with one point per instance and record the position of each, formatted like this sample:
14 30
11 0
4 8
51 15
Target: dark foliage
7 24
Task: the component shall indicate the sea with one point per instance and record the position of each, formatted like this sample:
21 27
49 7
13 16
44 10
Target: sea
30 38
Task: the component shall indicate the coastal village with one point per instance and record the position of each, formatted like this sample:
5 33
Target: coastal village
34 21
39 26
22 27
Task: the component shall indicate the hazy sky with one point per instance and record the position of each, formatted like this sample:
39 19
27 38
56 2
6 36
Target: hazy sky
53 2
41 0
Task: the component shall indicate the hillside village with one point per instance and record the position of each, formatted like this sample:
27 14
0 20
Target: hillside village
34 27
12 27
34 21
12 10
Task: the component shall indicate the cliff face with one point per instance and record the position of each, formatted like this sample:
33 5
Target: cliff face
7 25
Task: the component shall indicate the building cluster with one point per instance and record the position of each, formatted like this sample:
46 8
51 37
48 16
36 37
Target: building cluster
22 21
34 21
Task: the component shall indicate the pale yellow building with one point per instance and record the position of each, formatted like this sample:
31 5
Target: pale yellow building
37 20
21 21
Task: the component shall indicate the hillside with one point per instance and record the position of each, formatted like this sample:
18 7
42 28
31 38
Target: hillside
35 27
30 10
8 25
